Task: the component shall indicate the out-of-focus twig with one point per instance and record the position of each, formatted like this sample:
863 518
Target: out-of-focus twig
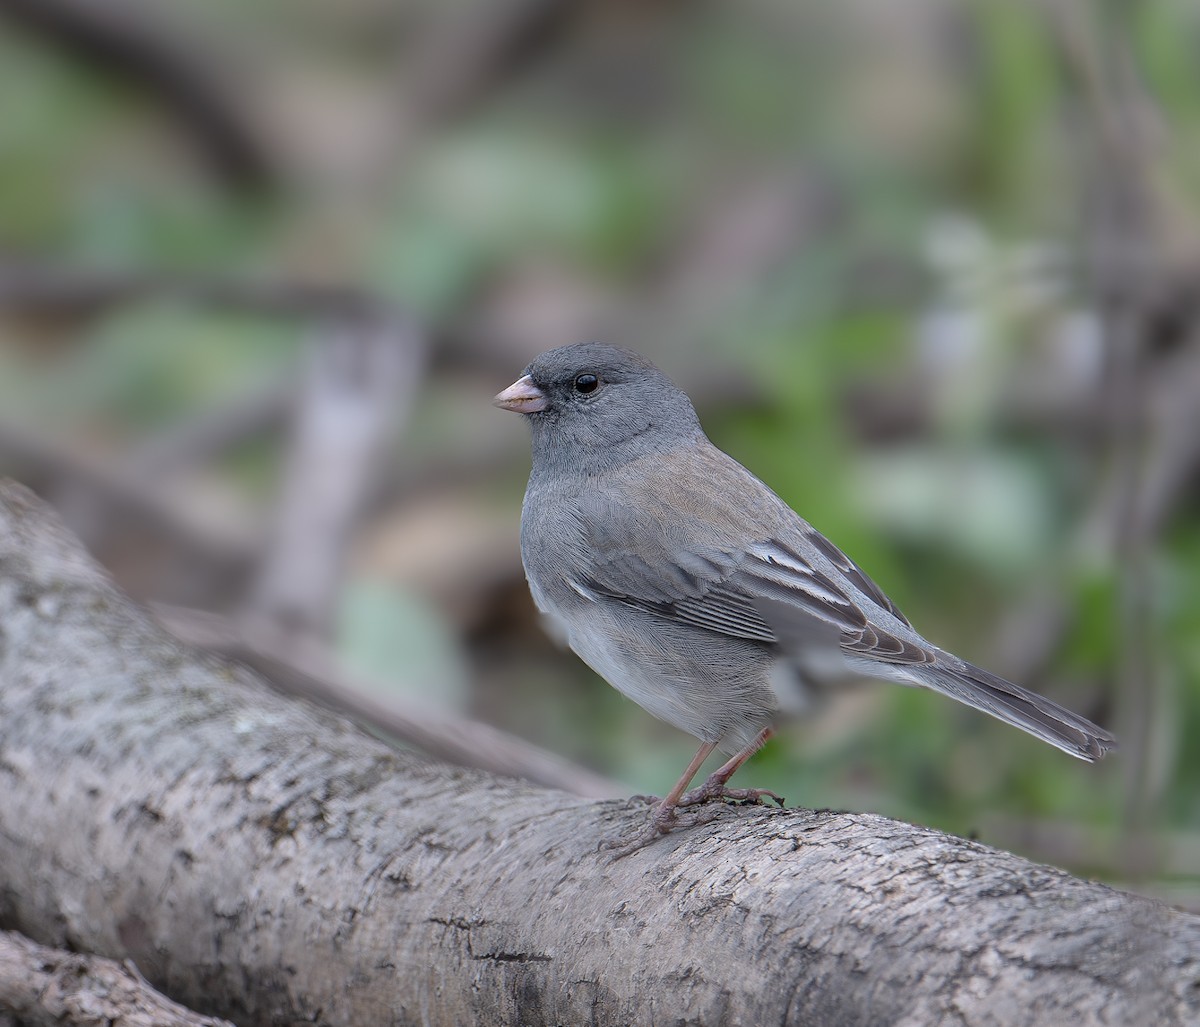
741 236
212 432
1173 461
305 668
359 378
465 50
133 39
1126 223
58 289
95 494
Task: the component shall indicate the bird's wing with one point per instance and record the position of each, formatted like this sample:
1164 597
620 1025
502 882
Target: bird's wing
687 587
805 576
716 549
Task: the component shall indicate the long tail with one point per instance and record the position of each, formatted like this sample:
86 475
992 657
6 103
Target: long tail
1018 706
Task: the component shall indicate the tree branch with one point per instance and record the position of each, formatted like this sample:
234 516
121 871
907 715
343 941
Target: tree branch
51 988
275 864
305 668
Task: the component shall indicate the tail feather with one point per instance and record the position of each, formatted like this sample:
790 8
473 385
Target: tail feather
1019 707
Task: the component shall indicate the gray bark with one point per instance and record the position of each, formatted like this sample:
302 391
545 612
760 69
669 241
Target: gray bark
265 861
50 988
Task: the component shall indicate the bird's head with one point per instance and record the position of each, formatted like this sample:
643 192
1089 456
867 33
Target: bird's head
593 406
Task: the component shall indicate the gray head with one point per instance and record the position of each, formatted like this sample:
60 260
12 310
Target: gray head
593 406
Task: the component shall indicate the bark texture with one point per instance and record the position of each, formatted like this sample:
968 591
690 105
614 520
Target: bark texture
262 860
47 987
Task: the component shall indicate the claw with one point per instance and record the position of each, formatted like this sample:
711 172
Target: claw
714 788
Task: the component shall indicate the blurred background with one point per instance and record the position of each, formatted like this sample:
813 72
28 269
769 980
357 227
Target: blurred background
929 268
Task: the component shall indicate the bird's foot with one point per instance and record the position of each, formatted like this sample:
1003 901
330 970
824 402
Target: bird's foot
715 789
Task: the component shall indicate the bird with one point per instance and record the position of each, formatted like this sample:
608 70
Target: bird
693 589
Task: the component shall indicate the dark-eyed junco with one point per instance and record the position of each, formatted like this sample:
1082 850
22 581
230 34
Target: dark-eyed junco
696 591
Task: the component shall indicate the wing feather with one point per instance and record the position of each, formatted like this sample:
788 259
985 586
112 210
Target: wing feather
691 564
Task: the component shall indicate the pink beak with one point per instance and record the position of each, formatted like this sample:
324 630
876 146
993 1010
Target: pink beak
522 396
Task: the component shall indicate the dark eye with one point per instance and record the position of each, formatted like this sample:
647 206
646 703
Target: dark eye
586 383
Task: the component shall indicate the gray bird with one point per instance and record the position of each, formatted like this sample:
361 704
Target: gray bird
693 589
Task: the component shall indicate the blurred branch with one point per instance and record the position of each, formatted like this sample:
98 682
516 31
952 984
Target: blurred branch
49 987
57 289
1125 224
736 240
96 495
1145 420
205 436
1153 459
305 668
1173 461
465 51
133 39
359 379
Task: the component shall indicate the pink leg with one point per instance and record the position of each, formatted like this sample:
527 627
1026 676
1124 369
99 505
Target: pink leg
664 813
714 785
